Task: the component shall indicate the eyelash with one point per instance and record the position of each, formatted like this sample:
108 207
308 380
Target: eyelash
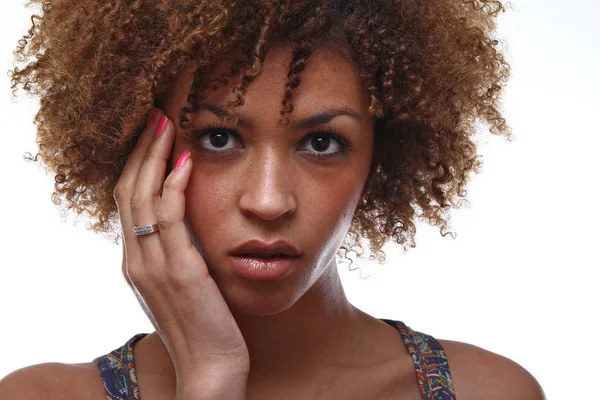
330 132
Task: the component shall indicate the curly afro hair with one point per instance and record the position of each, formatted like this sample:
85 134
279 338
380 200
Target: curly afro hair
432 69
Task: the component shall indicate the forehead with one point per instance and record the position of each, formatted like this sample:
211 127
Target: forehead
328 79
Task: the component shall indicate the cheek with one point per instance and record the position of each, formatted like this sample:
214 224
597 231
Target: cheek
210 187
205 199
334 199
328 213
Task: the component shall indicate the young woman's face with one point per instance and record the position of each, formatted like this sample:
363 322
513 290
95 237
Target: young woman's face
268 182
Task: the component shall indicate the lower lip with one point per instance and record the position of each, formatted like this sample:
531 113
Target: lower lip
256 268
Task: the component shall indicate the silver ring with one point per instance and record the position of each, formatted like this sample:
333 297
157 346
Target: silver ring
145 229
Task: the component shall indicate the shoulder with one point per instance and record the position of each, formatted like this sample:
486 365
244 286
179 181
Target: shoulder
52 381
483 375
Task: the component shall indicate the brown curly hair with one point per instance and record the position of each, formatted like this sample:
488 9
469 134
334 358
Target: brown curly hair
432 70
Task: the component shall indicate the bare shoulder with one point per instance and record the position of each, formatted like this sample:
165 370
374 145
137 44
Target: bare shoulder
53 381
483 375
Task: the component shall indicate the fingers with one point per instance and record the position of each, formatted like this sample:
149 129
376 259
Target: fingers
144 197
170 215
124 188
148 186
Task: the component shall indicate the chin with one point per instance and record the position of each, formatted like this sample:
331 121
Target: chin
253 300
257 297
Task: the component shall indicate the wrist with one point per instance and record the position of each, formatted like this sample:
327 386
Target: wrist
212 386
228 392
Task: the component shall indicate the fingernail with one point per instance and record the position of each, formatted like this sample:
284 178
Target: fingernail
182 159
161 125
152 117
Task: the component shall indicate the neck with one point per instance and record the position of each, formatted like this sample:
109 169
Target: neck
319 328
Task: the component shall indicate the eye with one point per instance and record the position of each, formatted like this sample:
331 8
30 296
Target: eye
214 139
321 142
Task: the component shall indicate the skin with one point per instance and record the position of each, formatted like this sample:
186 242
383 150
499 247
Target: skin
270 187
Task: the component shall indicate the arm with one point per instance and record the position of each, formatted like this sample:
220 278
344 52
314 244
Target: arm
21 385
50 381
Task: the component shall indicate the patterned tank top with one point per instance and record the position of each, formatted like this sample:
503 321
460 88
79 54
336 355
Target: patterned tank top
431 366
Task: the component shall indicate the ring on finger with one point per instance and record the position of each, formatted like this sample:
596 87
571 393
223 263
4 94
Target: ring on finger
145 229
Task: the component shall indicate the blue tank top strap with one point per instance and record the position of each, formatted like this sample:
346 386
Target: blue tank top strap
118 371
430 360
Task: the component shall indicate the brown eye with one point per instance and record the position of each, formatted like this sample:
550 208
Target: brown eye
320 143
218 139
326 144
215 140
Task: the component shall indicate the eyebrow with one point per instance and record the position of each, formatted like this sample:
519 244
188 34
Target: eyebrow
319 118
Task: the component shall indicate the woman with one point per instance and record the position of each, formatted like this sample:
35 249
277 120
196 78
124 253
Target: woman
241 146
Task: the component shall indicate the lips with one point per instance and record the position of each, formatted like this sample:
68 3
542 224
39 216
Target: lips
265 255
258 249
265 269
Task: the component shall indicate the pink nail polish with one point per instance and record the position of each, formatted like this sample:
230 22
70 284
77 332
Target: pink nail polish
152 117
161 125
182 159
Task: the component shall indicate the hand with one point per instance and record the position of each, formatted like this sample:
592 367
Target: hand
167 274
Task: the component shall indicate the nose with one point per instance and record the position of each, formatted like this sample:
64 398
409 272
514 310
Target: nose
269 187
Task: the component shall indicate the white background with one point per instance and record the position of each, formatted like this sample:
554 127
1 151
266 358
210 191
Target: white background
520 279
